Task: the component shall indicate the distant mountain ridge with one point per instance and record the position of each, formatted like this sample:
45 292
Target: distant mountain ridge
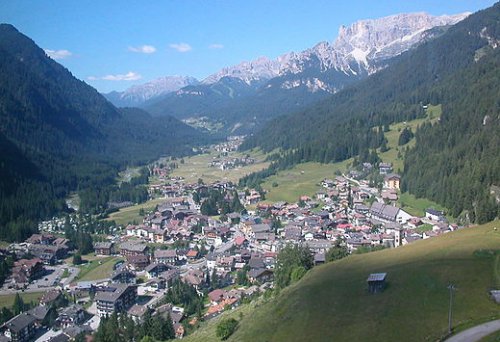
366 42
139 94
269 88
454 162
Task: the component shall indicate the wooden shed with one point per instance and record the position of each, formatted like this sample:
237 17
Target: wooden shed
376 282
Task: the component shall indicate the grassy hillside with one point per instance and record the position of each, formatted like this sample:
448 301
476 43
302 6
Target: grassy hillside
198 166
395 153
331 302
302 179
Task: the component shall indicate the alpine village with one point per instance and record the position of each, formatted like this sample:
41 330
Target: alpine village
347 192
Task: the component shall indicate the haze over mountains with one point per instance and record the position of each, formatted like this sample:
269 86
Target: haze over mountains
291 81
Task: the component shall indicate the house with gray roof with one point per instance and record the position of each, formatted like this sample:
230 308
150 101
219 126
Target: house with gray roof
20 328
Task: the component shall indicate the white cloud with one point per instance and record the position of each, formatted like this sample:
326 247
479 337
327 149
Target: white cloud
130 76
181 47
216 46
58 54
142 49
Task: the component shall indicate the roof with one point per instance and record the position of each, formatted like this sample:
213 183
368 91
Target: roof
261 228
103 245
133 246
165 253
39 312
377 277
434 212
138 310
20 322
384 211
111 293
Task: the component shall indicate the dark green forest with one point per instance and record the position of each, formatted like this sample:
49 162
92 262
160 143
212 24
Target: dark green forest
446 70
58 135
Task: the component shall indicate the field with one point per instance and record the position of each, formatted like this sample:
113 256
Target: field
196 167
417 206
207 329
128 215
331 303
302 179
433 114
97 269
8 300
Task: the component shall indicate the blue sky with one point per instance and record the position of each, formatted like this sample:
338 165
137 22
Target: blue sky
115 44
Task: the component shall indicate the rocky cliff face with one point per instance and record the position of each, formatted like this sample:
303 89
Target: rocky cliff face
358 48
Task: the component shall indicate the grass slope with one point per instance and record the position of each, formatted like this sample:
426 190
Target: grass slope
198 166
302 179
130 214
331 302
28 297
391 156
97 269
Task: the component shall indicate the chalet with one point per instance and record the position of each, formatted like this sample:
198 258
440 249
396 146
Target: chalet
21 328
26 270
153 270
392 181
137 312
48 254
133 248
52 297
115 298
41 313
138 262
216 296
389 213
123 276
40 239
376 282
253 198
354 244
211 260
169 276
293 233
260 228
166 256
385 168
70 315
103 248
261 275
435 215
256 262
194 278
389 195
319 245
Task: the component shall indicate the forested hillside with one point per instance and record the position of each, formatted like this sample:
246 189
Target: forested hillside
451 70
457 161
57 134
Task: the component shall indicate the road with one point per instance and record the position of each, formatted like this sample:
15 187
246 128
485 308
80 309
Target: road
476 333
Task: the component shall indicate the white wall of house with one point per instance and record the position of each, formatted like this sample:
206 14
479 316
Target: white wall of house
402 216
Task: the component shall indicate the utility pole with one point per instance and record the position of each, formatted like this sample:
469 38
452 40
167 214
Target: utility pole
451 287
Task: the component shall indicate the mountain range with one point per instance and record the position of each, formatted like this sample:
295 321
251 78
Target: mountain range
293 80
57 135
454 162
